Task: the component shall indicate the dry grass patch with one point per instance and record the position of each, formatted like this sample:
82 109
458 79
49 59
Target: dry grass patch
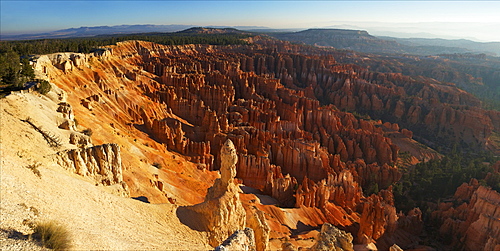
52 235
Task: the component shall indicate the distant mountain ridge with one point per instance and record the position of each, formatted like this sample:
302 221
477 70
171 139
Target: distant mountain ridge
362 41
356 40
210 30
123 29
99 30
476 47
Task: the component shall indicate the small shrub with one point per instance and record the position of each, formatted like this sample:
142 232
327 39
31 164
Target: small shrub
88 132
44 87
34 168
52 235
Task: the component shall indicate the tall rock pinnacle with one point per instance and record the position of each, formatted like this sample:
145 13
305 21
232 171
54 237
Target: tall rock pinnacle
222 214
228 163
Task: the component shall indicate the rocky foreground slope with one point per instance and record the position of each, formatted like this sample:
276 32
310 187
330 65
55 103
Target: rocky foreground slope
160 116
79 187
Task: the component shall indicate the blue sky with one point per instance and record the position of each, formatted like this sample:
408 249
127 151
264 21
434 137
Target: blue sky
457 18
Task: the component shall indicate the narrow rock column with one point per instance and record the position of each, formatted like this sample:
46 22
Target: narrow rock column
222 213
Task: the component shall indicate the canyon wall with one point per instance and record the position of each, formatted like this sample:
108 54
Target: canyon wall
296 118
471 221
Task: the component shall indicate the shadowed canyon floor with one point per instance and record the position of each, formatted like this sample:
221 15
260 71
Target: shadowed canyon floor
160 115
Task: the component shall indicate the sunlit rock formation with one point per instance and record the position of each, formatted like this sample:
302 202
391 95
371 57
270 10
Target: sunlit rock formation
332 238
241 240
298 120
103 162
221 214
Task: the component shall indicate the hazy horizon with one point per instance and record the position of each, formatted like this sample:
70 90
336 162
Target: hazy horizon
474 20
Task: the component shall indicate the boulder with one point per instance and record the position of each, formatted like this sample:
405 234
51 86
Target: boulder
241 240
332 238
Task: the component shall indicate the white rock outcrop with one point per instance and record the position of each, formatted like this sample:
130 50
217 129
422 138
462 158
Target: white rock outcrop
102 162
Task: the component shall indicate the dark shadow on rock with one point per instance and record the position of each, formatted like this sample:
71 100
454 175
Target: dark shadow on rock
248 190
264 199
190 131
5 90
141 198
190 218
267 200
14 234
302 228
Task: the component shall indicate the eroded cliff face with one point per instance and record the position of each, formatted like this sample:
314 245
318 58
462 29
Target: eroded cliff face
103 162
434 111
285 108
471 220
101 94
39 159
